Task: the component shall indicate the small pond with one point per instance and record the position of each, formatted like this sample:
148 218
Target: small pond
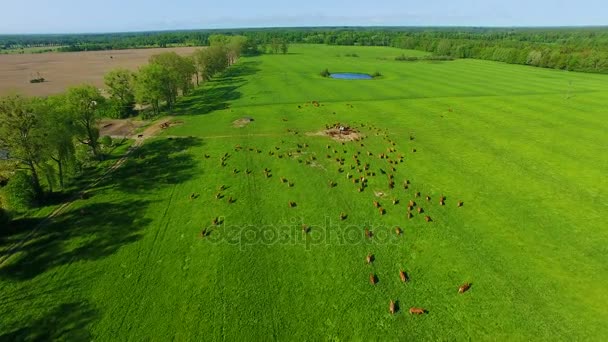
351 76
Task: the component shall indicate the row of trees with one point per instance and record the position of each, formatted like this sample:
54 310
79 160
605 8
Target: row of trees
580 49
49 139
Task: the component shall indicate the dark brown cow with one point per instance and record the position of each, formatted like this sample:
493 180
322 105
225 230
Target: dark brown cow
464 288
417 311
403 276
373 279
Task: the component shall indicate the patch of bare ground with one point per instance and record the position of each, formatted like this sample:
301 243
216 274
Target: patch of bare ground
339 132
242 122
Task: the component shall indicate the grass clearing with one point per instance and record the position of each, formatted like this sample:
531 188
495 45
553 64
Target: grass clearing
523 148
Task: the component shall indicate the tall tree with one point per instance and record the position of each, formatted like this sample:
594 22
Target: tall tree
119 84
22 135
150 86
83 103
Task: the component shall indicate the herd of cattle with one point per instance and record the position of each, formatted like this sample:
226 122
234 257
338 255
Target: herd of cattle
359 174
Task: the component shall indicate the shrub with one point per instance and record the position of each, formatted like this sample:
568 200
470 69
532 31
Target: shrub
376 74
106 141
19 193
3 216
325 73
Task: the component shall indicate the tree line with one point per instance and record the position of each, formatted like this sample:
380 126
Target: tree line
576 49
52 139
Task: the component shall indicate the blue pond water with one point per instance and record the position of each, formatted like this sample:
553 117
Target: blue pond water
351 76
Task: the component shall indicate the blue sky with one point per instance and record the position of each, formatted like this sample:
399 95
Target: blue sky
59 16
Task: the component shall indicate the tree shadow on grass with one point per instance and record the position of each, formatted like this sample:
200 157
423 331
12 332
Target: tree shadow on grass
91 232
98 227
218 93
158 163
66 322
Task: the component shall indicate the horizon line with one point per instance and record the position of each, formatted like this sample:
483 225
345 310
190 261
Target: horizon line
306 27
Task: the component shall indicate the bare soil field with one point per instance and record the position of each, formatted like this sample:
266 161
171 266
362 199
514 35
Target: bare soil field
62 70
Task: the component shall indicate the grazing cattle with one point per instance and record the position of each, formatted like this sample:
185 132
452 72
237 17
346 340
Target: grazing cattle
204 233
376 204
460 203
292 204
381 211
369 259
428 218
222 187
417 311
391 177
283 180
305 229
373 279
392 308
428 198
464 288
417 194
248 171
398 231
368 233
215 221
207 156
395 201
140 135
343 216
332 184
412 203
441 202
290 184
360 189
405 186
409 215
413 150
231 200
403 276
391 184
192 196
218 196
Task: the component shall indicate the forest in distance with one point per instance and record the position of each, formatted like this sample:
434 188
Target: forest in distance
566 48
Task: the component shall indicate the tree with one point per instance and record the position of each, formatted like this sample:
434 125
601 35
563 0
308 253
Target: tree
22 135
83 104
119 84
284 47
60 134
150 86
210 61
20 192
179 72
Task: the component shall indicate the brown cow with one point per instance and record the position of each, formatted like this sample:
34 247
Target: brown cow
368 233
403 276
292 204
412 203
428 198
464 288
395 201
417 311
428 218
460 203
343 216
369 259
373 279
409 215
398 231
305 229
420 210
376 204
417 194
391 307
381 211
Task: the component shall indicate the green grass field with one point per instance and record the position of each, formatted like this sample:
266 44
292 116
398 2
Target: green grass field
524 148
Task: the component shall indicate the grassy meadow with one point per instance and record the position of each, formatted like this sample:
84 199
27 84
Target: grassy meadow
523 148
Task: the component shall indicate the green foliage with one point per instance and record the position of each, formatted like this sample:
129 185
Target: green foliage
106 141
325 73
20 193
120 86
152 86
84 103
